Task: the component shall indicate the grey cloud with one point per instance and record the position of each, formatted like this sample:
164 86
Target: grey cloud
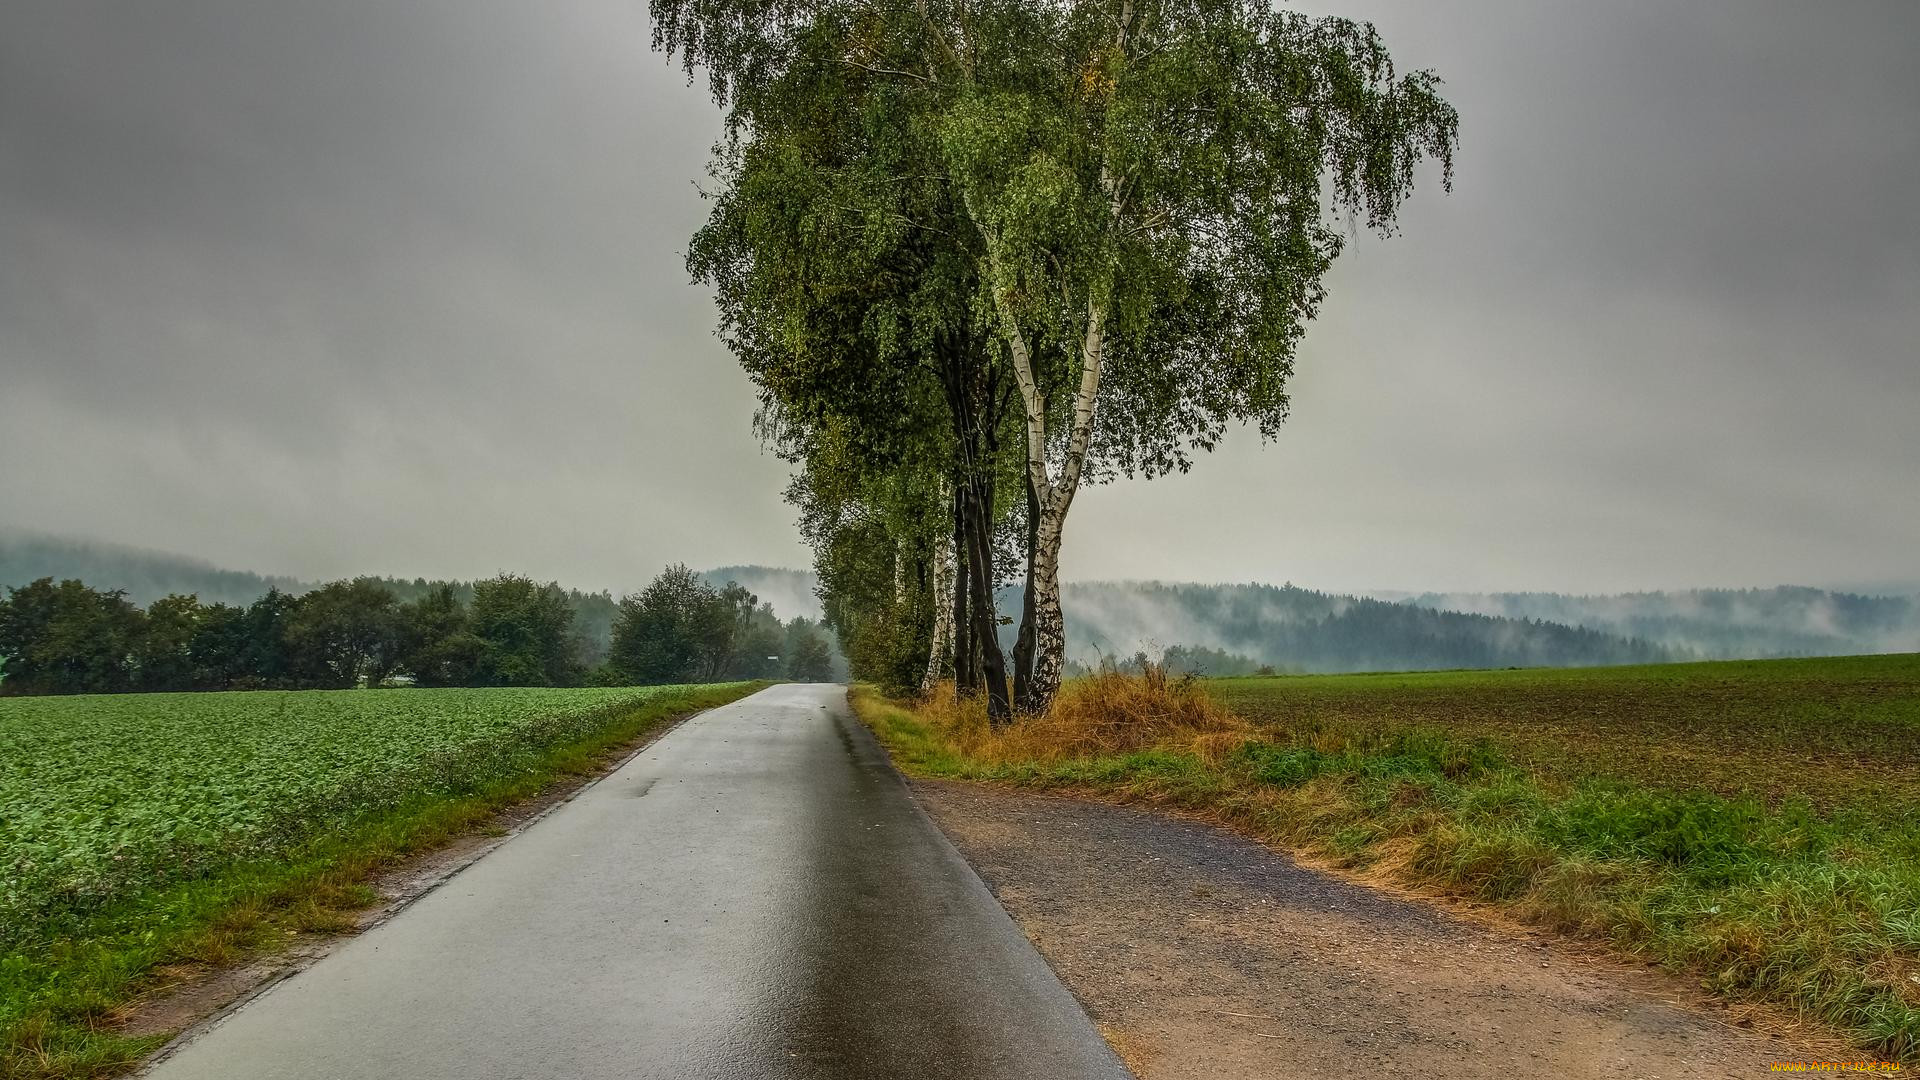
356 286
320 288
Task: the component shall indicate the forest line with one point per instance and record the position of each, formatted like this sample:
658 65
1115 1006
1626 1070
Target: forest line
67 637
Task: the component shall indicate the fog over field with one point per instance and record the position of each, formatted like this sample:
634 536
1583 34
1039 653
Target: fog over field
1785 621
1289 626
326 289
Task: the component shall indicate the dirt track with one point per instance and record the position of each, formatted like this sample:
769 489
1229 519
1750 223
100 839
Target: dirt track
1203 954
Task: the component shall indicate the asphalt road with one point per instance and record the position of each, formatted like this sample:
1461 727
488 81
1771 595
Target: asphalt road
756 895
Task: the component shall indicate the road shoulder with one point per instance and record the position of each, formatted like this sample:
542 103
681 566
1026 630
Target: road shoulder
1203 954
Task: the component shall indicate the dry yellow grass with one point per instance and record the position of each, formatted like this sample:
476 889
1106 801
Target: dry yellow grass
1103 714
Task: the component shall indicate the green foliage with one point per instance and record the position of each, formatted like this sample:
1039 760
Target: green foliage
266 659
220 646
67 639
163 651
528 631
808 657
345 634
1108 220
884 631
1196 660
1173 174
441 650
762 648
593 613
142 831
679 628
845 297
505 631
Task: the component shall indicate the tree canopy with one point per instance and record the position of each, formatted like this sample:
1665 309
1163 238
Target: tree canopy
678 629
1116 214
68 637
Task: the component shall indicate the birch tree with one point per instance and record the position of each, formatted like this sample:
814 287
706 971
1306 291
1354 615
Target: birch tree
1151 192
1159 200
940 651
846 287
875 539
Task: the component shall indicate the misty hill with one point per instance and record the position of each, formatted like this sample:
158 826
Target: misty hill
1301 630
1226 628
145 575
1285 626
1719 623
791 592
1245 626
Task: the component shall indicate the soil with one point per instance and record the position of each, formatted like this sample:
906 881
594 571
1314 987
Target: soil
1201 953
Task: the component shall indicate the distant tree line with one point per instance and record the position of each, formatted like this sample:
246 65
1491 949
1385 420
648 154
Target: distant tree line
67 637
682 629
1195 660
1237 629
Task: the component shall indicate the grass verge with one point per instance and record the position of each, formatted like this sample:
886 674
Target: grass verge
58 994
1766 900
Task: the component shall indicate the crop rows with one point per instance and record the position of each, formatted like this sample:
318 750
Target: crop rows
102 795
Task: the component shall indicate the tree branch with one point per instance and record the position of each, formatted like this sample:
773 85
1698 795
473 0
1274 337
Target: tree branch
881 70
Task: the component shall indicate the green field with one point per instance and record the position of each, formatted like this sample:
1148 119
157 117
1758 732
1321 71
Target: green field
142 830
1755 824
1839 732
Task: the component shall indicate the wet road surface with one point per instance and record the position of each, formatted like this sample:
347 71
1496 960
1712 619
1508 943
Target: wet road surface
755 895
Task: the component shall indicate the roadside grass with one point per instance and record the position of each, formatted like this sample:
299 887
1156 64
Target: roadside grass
1635 822
61 989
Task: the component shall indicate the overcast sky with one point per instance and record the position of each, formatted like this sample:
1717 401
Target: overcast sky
346 286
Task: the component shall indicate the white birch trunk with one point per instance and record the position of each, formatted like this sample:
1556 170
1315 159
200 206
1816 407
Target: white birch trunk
943 574
1056 492
1049 620
899 576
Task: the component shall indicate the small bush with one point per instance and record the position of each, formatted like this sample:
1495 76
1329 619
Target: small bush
1104 714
